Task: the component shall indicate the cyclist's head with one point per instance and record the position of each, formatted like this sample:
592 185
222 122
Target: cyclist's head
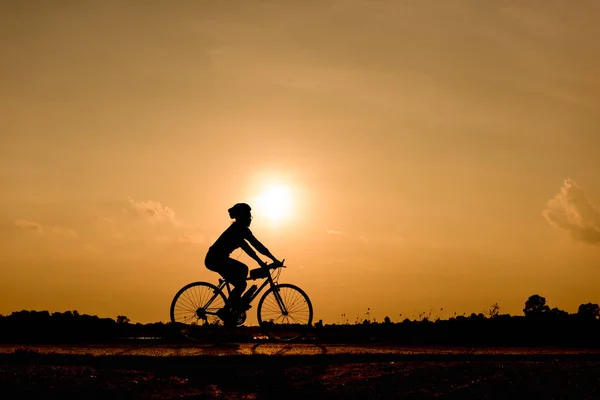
241 213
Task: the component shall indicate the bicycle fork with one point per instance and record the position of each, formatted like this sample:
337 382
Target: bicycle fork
284 310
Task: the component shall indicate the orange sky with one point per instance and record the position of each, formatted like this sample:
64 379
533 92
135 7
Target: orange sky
438 155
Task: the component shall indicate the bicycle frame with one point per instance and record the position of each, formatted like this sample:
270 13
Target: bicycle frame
268 281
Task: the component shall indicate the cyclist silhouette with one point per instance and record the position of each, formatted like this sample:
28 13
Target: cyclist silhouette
218 256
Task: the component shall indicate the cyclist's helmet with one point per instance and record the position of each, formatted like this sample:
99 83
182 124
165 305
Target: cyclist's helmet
239 210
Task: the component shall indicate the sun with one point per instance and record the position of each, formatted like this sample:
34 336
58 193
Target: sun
275 203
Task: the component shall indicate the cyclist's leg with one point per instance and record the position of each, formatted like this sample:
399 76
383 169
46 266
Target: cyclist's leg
235 272
214 263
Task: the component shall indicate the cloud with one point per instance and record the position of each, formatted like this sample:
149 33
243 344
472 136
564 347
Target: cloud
572 211
333 232
112 225
122 219
39 228
68 233
193 239
152 211
28 225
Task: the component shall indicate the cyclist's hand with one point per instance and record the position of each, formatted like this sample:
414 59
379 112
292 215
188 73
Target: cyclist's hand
263 264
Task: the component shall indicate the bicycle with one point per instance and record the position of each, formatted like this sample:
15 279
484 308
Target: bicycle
284 311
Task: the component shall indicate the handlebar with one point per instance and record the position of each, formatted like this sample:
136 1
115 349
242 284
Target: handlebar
263 272
276 265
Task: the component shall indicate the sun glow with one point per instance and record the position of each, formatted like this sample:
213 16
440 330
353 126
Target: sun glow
275 203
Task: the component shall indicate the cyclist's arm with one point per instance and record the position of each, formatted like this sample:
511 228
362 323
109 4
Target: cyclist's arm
260 247
252 253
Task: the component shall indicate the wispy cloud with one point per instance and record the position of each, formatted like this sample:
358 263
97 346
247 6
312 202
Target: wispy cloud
122 219
152 211
572 211
48 230
333 232
68 233
193 239
28 225
118 228
112 225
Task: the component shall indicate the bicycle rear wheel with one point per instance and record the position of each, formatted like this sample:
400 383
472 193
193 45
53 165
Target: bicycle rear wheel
285 312
194 309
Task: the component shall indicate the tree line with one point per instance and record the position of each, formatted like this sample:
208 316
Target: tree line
539 325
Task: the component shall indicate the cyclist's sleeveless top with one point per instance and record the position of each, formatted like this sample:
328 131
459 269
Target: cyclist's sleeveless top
231 239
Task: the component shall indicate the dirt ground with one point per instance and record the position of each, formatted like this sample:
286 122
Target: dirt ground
27 373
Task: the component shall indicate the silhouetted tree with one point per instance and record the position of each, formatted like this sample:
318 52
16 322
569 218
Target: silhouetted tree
387 320
535 305
121 319
557 312
494 311
589 311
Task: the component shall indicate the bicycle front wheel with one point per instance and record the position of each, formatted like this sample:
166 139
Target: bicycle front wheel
285 312
195 306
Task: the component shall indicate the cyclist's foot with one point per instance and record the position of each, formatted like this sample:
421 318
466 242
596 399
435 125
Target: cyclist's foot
224 314
227 316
